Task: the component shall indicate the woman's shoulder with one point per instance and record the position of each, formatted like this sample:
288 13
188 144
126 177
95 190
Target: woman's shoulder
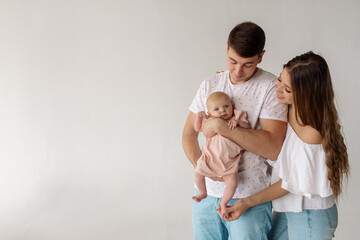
307 133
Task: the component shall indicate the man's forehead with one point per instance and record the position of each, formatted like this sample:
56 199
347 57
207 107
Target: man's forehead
233 55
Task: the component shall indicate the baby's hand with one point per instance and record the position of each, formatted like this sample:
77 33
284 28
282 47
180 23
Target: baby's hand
202 114
232 124
223 213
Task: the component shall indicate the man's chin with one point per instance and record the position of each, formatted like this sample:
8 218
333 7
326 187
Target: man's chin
238 80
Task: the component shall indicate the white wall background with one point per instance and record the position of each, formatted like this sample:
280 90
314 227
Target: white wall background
94 96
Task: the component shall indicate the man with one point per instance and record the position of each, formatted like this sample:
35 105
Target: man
252 90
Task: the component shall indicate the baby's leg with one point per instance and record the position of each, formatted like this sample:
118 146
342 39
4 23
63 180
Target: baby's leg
231 183
200 184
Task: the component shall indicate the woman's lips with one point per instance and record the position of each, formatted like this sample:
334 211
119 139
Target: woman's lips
279 97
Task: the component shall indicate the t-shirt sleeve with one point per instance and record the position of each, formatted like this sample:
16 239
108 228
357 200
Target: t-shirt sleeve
272 109
199 102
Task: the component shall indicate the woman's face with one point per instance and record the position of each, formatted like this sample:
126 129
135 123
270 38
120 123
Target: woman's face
283 88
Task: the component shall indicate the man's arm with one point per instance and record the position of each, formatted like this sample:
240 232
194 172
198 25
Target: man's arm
190 140
266 142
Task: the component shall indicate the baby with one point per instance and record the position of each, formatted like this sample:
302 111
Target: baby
221 156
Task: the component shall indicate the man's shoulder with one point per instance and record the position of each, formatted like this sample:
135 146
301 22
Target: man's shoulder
263 78
220 75
265 75
216 79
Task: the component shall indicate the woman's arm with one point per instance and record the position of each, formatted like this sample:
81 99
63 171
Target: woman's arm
233 212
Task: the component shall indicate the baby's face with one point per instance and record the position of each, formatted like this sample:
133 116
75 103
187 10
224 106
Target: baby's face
221 108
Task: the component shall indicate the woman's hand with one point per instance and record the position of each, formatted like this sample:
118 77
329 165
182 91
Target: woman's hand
231 213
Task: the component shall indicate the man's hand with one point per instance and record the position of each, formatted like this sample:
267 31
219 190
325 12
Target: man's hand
219 179
212 125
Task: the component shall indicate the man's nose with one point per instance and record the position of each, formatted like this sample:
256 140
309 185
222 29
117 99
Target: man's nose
239 69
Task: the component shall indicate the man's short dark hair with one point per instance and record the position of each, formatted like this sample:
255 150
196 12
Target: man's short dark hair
247 39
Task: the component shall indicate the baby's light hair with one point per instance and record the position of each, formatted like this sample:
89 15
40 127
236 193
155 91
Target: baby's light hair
216 96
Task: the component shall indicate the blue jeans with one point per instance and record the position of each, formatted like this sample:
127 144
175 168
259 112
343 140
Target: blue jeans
254 224
306 225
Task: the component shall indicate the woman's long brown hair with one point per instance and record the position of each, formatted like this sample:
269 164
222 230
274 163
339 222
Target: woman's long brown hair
314 103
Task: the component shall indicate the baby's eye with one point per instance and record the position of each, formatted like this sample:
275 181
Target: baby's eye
226 106
216 109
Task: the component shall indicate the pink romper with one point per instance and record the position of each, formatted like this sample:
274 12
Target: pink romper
220 156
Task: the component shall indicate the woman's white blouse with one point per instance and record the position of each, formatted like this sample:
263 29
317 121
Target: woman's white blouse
303 171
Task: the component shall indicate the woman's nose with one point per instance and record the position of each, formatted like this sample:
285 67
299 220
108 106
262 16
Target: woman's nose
279 87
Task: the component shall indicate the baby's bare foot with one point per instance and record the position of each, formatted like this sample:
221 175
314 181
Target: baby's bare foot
199 197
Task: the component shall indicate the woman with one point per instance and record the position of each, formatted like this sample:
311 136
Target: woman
313 161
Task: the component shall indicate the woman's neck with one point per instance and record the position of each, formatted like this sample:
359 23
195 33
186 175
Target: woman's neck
306 133
291 113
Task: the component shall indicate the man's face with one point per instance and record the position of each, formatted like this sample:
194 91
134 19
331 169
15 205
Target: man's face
241 69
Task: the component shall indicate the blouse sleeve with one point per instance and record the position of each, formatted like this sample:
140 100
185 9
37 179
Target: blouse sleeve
302 167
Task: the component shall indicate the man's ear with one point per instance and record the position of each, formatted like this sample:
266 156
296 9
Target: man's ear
260 56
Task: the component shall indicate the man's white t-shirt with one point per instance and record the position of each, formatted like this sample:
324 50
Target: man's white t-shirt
258 98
